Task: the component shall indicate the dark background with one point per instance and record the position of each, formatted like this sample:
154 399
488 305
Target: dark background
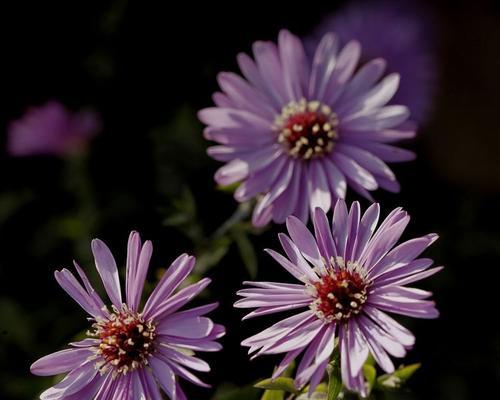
147 68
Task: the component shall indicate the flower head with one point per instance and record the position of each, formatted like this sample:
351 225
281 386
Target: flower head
130 352
402 33
350 276
296 131
51 129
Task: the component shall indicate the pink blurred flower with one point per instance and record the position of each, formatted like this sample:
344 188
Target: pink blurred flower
52 129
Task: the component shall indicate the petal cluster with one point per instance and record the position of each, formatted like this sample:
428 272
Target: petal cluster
131 351
52 129
351 274
296 131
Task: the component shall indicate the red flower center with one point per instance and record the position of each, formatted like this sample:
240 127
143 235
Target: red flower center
308 129
126 340
339 294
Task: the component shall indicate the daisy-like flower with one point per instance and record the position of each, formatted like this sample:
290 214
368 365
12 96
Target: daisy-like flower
403 34
52 129
297 131
350 276
129 352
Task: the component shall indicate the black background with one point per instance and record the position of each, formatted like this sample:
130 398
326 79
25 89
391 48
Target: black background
141 65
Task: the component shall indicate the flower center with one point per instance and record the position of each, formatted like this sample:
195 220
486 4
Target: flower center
126 340
341 293
308 129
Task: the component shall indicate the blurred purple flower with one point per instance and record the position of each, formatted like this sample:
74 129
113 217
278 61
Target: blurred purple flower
296 132
400 32
350 277
52 129
129 353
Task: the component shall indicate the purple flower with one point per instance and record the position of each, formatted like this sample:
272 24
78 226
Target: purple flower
51 129
350 276
400 32
129 353
296 132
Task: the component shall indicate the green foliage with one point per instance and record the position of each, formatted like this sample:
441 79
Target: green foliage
281 383
334 380
399 377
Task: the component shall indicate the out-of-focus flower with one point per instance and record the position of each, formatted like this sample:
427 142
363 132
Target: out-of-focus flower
129 353
400 32
52 129
296 132
351 275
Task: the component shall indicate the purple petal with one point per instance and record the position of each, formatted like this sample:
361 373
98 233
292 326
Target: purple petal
171 279
304 240
231 118
318 185
106 266
367 75
164 375
171 305
137 284
323 65
269 65
379 118
193 328
323 234
340 227
133 251
71 286
294 63
336 179
366 228
347 62
388 153
245 96
354 171
60 362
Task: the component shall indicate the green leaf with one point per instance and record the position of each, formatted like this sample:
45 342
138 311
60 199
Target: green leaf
229 188
334 381
397 378
273 395
371 375
281 383
247 251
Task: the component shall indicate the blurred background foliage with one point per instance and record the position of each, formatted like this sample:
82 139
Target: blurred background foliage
147 67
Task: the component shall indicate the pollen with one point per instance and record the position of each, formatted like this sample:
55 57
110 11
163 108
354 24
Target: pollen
340 293
307 129
126 341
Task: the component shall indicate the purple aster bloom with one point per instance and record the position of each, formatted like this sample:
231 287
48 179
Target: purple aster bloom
400 32
297 131
129 353
51 129
350 276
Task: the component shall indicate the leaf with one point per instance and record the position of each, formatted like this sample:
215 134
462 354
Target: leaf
280 383
371 375
273 395
397 378
247 251
229 188
334 381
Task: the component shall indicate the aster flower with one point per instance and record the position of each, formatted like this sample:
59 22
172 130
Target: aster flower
402 33
130 353
51 129
297 131
351 276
